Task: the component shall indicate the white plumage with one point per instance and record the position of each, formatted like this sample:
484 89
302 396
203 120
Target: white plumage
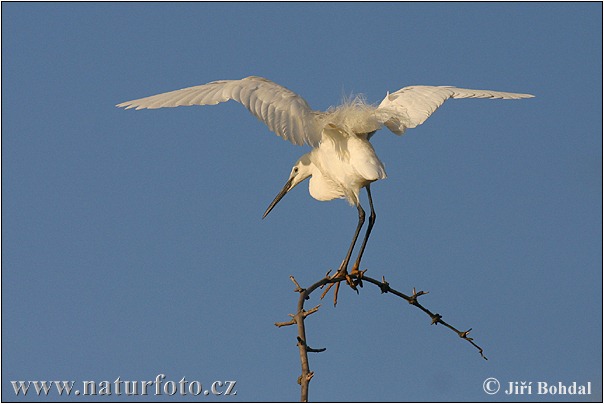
289 115
342 160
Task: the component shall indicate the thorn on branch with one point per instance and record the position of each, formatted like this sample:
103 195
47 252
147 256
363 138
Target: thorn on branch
464 335
309 349
309 376
285 323
311 311
325 278
436 318
384 286
299 288
415 295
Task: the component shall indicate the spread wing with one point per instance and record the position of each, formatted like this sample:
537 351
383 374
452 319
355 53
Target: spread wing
411 106
283 111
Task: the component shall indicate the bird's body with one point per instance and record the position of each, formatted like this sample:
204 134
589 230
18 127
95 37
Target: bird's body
342 160
342 165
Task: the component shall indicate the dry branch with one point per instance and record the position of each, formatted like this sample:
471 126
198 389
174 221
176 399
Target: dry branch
384 286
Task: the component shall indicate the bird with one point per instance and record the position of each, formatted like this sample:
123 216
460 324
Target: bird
342 160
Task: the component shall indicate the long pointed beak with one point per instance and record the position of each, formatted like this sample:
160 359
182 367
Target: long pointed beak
279 196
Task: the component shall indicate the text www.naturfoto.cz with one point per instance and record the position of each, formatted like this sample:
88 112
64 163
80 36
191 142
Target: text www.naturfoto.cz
118 387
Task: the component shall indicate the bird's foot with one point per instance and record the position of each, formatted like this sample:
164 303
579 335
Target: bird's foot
357 275
343 273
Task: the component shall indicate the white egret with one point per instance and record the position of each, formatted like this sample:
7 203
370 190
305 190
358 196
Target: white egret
342 160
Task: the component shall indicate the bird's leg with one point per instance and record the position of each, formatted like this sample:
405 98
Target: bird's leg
355 267
343 272
344 266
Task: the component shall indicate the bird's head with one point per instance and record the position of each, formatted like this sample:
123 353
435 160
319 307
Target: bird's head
300 171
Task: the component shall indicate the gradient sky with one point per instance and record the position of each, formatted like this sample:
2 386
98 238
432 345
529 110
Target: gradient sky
133 245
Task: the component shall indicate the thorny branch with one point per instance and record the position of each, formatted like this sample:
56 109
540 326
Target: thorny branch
384 286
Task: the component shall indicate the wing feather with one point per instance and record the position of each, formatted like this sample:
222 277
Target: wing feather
283 111
411 106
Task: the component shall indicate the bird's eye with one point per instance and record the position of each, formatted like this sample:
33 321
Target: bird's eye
295 169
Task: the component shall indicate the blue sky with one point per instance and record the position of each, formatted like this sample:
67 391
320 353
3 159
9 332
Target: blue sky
133 245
